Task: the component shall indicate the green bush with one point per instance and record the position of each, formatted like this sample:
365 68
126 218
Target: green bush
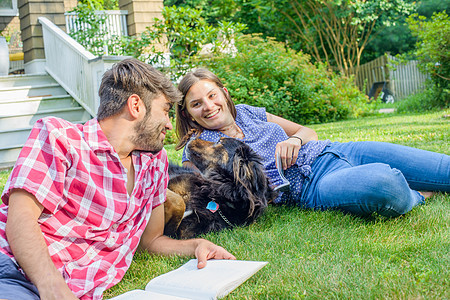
171 136
429 99
433 52
267 73
185 32
89 32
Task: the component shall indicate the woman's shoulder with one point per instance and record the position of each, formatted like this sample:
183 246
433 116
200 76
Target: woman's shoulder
248 111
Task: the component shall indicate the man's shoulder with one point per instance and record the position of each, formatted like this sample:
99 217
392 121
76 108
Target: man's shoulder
55 123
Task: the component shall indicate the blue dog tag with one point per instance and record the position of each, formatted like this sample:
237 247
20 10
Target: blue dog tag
212 206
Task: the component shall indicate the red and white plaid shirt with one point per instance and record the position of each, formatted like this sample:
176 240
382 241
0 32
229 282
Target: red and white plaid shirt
91 225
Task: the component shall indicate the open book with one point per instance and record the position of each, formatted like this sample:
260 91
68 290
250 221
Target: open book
216 280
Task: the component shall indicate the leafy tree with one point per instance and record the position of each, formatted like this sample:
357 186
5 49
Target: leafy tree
433 51
184 32
256 14
266 73
89 29
337 31
212 11
101 4
398 39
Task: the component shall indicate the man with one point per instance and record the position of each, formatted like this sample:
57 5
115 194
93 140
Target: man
82 198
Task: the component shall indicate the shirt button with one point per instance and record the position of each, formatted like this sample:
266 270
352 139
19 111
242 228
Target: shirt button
115 226
91 253
110 242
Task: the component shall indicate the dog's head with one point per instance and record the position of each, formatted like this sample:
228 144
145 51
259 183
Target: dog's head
234 162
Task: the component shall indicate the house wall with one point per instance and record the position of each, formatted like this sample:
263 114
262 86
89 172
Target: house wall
141 13
33 44
9 23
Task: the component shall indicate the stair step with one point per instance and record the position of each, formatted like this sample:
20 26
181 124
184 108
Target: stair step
25 80
72 114
11 143
24 99
35 105
12 93
9 156
14 138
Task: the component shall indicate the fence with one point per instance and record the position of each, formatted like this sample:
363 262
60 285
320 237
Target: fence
401 79
115 23
408 79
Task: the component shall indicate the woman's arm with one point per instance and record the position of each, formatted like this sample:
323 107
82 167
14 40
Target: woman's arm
299 136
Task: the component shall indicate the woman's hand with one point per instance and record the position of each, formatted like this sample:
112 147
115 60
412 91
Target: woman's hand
288 151
299 136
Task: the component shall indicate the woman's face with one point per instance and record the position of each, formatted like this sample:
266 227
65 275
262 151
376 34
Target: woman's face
206 103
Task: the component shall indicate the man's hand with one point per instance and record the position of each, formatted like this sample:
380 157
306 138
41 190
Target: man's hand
206 250
154 241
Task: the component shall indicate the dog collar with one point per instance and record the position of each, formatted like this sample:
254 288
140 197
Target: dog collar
224 218
213 207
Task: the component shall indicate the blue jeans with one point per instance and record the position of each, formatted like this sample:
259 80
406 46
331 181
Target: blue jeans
13 284
366 177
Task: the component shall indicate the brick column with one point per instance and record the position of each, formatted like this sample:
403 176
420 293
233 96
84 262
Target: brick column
141 13
33 44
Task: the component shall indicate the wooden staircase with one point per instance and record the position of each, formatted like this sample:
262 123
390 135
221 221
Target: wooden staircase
24 99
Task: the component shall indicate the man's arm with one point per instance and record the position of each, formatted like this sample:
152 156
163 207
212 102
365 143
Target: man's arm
29 248
154 241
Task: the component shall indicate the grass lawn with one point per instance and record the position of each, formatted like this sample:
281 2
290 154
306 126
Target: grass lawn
317 255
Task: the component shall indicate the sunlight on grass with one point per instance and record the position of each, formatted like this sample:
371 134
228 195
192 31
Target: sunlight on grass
323 255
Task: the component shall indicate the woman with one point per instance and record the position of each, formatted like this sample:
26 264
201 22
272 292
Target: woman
356 177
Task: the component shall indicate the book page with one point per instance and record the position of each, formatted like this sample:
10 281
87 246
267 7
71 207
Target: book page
216 280
145 295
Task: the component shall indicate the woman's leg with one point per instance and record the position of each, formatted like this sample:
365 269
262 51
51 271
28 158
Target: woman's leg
423 170
361 190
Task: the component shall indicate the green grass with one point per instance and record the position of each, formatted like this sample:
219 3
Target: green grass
323 255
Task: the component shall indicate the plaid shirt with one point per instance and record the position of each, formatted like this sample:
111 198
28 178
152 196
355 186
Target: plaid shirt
91 225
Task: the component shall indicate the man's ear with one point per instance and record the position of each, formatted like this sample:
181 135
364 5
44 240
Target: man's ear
135 106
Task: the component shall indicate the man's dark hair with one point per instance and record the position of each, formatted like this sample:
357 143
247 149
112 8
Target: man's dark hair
131 76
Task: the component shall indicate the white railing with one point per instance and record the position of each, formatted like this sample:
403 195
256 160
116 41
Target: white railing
73 67
115 25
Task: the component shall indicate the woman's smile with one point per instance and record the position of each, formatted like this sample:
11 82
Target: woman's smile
213 114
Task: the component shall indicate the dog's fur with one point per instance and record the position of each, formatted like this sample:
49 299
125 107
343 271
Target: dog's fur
229 173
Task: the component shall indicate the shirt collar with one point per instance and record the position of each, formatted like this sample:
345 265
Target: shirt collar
95 137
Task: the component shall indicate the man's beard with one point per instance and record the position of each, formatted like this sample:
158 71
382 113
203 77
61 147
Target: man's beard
147 136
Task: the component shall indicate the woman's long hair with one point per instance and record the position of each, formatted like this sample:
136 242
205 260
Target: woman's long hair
185 126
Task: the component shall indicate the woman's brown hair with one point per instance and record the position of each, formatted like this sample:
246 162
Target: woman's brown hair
184 124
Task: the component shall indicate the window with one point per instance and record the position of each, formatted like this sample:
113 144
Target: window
8 8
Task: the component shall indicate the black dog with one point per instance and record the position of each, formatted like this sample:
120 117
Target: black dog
229 189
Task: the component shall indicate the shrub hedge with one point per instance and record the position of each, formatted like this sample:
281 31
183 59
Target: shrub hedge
268 74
